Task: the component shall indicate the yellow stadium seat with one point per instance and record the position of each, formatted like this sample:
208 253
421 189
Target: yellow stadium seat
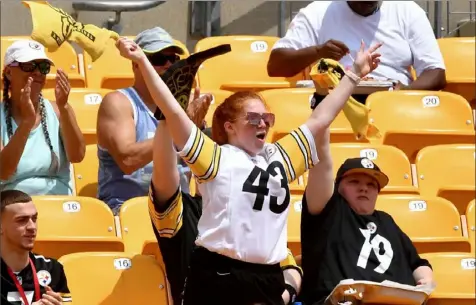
292 108
470 219
114 278
64 57
244 68
439 224
86 173
447 171
136 227
294 224
412 120
69 224
85 103
454 274
111 70
458 54
392 161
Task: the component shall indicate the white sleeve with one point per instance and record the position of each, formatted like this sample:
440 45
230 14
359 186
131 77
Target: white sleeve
301 33
425 50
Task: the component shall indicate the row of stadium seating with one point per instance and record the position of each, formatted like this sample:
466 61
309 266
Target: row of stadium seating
409 120
445 171
131 279
84 234
245 65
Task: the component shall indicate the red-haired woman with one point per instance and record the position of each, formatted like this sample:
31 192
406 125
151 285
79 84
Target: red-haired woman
244 184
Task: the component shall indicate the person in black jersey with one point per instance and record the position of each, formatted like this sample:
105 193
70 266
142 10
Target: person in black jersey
27 278
344 237
175 214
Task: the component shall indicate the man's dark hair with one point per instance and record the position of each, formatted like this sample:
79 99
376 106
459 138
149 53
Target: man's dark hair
13 196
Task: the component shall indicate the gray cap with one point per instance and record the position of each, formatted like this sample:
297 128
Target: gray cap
155 40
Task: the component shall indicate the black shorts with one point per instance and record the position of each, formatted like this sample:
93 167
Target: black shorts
214 279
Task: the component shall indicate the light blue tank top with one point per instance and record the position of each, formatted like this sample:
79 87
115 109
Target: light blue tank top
32 174
114 186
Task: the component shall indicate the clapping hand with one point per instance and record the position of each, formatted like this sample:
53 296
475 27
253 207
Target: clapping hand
62 88
27 109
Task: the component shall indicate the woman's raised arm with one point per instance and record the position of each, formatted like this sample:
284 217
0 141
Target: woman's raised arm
180 125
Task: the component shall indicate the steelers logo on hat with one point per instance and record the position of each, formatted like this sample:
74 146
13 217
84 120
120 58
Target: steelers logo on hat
366 163
44 277
372 227
34 45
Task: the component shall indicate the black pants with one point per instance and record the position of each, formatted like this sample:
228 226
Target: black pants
215 279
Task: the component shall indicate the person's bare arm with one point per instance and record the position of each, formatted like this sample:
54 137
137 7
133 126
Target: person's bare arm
431 79
71 135
11 154
116 133
165 176
287 62
321 179
423 275
291 277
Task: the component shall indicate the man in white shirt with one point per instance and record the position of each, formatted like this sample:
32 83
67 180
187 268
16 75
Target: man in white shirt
333 29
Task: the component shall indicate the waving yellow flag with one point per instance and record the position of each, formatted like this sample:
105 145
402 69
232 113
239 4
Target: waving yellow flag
52 26
328 73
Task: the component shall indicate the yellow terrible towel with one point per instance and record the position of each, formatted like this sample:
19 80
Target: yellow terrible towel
53 26
327 74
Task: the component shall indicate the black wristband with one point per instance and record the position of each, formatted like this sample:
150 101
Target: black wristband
316 99
292 293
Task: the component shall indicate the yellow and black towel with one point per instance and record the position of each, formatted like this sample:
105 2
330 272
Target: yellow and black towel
327 73
52 26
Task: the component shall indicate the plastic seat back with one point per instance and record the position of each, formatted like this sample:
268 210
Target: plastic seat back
412 120
113 278
292 108
392 161
458 54
244 68
136 227
439 224
86 173
69 224
447 171
454 274
85 103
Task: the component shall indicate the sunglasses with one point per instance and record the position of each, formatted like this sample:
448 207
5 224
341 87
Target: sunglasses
43 66
255 118
158 59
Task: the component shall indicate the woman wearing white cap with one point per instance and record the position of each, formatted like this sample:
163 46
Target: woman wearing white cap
39 138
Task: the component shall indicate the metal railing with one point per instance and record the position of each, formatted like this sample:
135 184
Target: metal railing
117 7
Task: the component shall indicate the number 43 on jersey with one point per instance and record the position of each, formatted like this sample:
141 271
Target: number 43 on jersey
257 183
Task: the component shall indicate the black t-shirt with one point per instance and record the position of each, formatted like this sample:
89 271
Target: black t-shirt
339 244
49 272
176 231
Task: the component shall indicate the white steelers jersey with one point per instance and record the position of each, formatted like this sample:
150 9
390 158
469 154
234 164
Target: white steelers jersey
245 198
